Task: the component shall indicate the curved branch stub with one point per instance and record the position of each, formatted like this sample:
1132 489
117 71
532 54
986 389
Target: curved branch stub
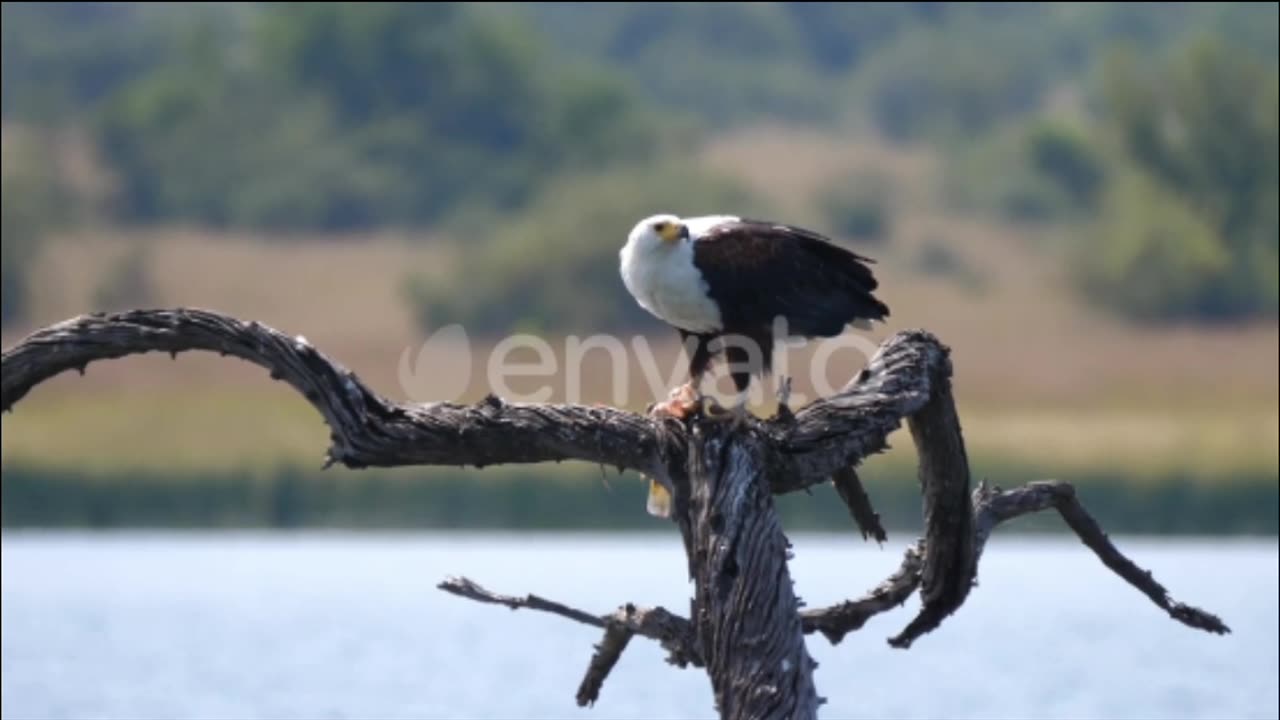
832 434
949 561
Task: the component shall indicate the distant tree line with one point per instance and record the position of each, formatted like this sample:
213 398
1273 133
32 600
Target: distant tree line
1175 181
344 116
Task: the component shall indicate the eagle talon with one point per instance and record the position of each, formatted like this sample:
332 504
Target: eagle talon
681 403
714 411
686 394
711 407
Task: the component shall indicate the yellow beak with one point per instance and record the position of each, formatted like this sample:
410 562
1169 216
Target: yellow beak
673 232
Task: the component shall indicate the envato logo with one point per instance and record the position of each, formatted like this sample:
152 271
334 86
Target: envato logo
442 368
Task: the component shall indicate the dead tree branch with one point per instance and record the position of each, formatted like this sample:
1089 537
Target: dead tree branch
849 487
674 633
838 432
839 620
745 627
992 506
607 653
367 430
949 562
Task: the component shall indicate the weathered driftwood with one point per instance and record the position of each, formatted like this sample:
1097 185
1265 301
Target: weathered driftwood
746 627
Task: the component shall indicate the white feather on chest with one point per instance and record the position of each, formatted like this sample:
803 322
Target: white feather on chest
664 280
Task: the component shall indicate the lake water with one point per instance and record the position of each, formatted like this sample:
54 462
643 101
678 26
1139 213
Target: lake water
330 625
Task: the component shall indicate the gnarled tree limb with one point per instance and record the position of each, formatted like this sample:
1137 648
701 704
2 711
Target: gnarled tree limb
835 433
367 429
745 625
949 563
839 620
992 506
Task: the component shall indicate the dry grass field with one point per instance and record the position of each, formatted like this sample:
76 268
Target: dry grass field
1042 378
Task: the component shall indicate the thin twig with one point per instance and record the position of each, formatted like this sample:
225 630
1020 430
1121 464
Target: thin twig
673 632
471 590
850 489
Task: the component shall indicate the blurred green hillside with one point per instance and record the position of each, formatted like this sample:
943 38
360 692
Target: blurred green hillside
1080 199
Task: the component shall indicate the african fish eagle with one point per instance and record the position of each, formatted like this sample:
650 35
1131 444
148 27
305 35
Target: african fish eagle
729 283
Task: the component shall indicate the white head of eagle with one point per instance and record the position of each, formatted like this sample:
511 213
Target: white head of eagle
728 283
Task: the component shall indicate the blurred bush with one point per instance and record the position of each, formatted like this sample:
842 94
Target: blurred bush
1189 229
127 283
21 240
32 199
1164 181
1152 255
1063 155
937 257
61 59
555 267
957 81
731 63
1044 171
340 116
859 207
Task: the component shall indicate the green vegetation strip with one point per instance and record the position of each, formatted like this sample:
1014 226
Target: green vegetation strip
563 498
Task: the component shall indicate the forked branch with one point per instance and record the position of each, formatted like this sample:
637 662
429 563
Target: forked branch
992 506
674 633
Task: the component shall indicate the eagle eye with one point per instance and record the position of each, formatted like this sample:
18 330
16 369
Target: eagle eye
659 226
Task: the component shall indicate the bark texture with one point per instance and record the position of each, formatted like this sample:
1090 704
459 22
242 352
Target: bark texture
746 628
746 611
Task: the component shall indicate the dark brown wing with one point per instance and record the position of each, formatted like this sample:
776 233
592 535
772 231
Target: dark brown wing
757 271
